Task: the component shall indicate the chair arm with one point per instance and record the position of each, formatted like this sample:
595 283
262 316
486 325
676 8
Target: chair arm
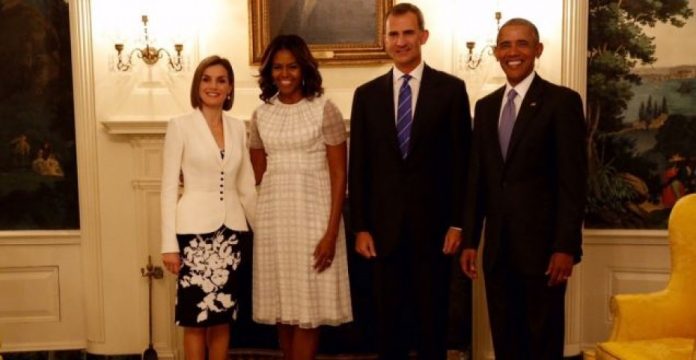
650 316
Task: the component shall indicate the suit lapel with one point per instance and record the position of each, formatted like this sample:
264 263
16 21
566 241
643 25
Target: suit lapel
491 127
389 117
206 135
227 140
530 105
427 89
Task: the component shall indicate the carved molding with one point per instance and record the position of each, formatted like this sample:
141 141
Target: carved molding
40 237
625 237
42 346
88 182
147 150
135 126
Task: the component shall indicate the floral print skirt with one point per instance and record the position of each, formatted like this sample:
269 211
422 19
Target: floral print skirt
208 284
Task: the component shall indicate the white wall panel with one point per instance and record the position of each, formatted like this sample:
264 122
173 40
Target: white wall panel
636 262
35 294
41 297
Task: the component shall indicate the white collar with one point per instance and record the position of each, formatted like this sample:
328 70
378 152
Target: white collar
522 87
416 73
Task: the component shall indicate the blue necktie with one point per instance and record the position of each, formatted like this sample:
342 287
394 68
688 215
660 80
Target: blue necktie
507 122
404 119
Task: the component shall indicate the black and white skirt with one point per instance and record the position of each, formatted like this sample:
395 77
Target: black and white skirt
208 286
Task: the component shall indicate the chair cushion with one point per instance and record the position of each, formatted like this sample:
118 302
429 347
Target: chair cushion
654 349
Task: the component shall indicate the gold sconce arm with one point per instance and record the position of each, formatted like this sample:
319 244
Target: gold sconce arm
473 60
149 54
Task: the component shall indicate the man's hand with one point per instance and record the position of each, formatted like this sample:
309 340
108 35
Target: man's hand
560 268
364 245
452 240
172 262
467 261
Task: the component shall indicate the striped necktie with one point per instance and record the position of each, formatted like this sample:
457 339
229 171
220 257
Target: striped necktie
507 122
404 119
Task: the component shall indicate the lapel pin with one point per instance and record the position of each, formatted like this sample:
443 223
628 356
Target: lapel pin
532 104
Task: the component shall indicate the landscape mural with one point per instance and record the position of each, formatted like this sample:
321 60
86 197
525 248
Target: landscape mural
641 111
38 177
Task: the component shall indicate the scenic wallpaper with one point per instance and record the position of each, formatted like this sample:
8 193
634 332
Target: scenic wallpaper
38 178
641 111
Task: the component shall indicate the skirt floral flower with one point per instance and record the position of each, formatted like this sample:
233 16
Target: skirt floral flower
207 286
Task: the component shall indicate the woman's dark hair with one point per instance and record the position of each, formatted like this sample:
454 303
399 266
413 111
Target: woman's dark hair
311 78
198 75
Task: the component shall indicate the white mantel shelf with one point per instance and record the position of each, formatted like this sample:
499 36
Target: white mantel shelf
136 126
149 126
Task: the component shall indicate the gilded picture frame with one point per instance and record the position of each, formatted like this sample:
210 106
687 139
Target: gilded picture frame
338 32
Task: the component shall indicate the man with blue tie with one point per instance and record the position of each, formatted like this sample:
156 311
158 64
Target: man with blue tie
528 174
410 131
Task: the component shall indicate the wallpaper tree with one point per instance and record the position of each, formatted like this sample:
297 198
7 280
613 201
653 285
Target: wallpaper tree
617 43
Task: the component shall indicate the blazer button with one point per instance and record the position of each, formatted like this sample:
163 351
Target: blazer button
221 199
222 173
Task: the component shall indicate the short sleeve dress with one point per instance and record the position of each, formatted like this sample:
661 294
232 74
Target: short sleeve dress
292 216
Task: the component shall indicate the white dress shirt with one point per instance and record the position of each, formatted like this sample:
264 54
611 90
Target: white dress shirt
414 83
521 88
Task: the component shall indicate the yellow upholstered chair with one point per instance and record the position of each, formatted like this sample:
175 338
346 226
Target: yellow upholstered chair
661 325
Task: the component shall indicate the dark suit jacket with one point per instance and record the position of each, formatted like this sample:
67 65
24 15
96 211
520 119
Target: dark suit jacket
533 203
424 193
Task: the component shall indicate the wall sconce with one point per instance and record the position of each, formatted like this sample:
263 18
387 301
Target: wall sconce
474 60
150 54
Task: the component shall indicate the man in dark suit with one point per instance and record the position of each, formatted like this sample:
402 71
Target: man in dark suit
410 131
528 181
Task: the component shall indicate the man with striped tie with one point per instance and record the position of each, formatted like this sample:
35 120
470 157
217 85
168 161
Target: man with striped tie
410 131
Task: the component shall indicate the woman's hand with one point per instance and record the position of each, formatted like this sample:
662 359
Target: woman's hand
324 252
172 262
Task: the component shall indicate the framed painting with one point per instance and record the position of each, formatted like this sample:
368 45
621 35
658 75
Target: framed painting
38 173
641 111
337 31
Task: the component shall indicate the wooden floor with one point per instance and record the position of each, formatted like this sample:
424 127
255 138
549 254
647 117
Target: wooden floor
255 354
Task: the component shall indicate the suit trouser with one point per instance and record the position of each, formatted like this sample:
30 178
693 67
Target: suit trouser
527 316
410 289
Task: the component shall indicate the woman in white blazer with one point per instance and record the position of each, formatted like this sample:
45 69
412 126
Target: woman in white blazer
203 230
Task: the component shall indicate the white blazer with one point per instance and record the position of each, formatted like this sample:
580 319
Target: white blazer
217 191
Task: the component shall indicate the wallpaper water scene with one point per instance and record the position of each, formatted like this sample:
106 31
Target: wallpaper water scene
641 110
